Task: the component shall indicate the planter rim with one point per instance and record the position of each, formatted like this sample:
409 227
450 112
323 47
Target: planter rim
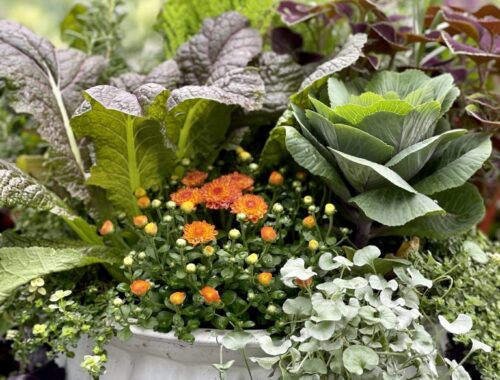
202 337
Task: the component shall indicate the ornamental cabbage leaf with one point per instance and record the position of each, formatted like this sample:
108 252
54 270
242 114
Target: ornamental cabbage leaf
378 146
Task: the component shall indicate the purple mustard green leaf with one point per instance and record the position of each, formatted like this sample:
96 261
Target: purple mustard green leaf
225 43
349 54
243 87
282 78
47 83
166 74
77 72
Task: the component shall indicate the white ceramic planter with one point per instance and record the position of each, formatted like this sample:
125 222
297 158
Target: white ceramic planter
150 355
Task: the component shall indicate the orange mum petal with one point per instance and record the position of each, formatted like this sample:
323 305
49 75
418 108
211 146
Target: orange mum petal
199 232
253 206
210 294
241 181
187 194
220 193
194 178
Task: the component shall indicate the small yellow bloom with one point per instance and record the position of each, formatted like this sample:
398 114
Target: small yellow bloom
330 209
208 251
313 245
139 192
151 229
252 259
191 268
187 207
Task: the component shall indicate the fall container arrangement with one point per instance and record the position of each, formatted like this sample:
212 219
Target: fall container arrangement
257 205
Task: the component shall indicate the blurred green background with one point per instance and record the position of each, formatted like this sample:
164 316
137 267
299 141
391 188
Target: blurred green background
44 17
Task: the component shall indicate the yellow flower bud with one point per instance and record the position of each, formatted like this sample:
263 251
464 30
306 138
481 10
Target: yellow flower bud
313 245
139 192
252 259
234 234
330 209
191 268
151 229
208 251
187 207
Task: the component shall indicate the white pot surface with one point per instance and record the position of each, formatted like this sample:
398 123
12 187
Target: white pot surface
151 355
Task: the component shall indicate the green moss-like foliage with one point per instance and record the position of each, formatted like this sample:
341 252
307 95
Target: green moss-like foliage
465 274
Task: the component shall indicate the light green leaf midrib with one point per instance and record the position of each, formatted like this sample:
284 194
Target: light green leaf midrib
67 127
134 177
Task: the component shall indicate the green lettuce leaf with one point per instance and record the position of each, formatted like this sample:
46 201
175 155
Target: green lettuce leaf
128 134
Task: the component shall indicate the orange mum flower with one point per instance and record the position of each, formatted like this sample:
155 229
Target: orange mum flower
140 287
268 234
253 206
242 181
220 193
199 232
265 278
276 178
140 221
107 228
194 178
144 202
177 298
210 294
309 222
187 194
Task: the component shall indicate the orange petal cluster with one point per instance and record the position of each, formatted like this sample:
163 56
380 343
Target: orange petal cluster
268 234
187 194
253 206
199 232
140 287
210 295
220 193
194 178
241 181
